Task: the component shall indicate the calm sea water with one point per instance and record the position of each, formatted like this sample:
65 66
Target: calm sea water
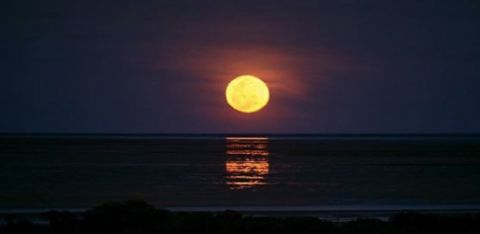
79 172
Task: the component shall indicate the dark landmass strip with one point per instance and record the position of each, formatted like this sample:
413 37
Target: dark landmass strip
140 217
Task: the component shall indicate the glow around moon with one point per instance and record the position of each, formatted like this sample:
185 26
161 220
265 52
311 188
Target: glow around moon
247 94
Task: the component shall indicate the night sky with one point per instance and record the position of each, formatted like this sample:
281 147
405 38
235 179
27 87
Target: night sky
162 66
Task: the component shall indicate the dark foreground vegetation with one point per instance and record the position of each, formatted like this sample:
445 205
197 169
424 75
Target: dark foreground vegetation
142 218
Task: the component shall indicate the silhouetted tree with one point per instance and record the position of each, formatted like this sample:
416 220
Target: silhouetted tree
126 217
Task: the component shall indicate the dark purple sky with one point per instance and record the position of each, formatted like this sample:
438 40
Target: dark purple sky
162 66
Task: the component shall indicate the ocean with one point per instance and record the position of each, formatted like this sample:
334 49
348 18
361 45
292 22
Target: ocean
251 172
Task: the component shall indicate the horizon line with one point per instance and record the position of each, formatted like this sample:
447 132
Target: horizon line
233 134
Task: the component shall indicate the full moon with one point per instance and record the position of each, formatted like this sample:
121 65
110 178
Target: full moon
247 94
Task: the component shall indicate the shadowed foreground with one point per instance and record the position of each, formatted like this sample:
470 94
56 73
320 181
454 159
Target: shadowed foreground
140 217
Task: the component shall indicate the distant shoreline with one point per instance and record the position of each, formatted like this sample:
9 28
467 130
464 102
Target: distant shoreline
138 216
394 136
331 213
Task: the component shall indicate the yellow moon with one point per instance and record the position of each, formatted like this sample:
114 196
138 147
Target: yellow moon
247 94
